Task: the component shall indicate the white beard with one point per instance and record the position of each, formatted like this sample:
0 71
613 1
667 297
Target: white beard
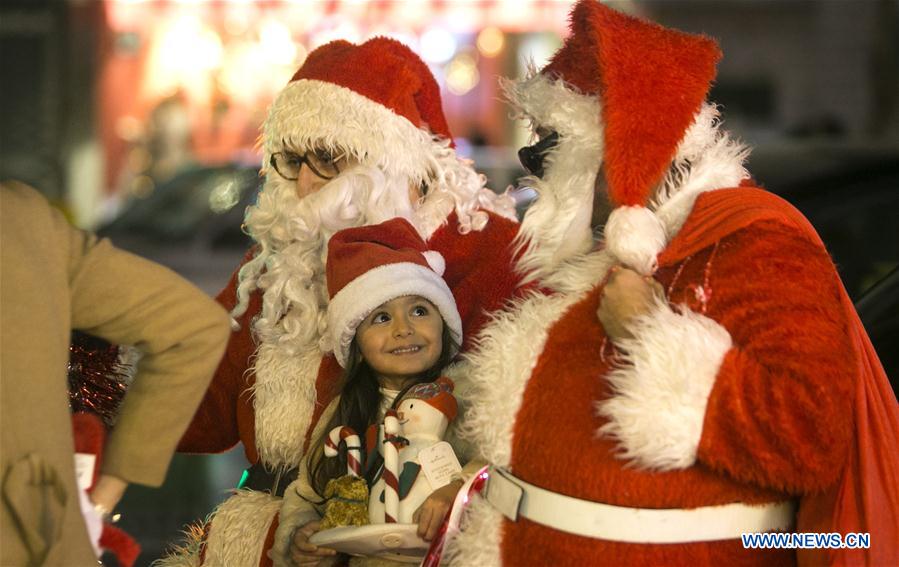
293 234
290 271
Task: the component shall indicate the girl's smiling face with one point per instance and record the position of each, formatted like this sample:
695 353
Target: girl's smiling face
401 339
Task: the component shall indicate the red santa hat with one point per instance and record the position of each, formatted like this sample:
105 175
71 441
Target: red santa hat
437 394
370 265
651 81
376 100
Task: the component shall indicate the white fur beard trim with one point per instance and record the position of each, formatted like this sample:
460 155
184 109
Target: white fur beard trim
500 367
283 402
635 236
238 528
479 542
662 387
558 225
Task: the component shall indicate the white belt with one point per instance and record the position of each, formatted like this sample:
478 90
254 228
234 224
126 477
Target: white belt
514 497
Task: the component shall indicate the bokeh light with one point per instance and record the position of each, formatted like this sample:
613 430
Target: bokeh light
437 45
491 41
276 43
462 74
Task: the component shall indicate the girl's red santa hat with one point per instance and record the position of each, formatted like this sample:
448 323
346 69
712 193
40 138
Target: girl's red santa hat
370 265
650 81
376 100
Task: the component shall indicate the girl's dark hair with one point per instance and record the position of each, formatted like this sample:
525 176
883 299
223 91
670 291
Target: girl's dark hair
358 409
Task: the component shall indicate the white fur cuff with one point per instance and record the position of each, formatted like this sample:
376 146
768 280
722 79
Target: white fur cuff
663 386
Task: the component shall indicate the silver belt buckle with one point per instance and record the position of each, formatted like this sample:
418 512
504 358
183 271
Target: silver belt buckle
504 494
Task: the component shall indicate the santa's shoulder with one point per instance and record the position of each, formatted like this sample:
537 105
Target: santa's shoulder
721 213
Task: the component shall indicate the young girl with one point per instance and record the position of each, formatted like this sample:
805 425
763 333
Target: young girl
393 323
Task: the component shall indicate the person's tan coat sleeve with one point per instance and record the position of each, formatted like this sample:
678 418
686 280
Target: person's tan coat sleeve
180 331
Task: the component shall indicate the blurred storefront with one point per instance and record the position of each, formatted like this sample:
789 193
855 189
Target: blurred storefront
187 82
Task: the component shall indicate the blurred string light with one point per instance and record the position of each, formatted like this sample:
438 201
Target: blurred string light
131 15
414 15
301 16
491 41
342 30
248 82
462 74
437 45
514 14
239 14
187 50
463 17
276 43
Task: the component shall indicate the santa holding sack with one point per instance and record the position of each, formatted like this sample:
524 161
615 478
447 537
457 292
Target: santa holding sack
695 373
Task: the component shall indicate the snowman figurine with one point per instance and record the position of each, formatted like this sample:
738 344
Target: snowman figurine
416 459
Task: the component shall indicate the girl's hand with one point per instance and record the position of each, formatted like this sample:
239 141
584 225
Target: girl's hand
432 511
304 553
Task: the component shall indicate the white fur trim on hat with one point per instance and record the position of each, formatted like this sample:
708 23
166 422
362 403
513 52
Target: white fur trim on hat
311 113
636 236
379 285
663 386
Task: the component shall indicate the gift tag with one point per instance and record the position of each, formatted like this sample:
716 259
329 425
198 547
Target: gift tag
84 469
439 464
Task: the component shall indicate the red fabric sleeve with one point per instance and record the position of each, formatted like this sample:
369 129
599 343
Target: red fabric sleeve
215 427
780 413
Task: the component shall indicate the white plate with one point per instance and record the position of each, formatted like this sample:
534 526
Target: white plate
399 542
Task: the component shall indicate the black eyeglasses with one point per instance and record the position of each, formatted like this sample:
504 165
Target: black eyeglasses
321 162
532 157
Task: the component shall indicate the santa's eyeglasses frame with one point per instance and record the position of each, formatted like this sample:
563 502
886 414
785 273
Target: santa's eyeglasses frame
320 162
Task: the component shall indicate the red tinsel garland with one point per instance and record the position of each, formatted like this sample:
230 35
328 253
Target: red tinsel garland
97 378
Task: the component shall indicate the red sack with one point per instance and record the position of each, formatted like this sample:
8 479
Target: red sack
866 500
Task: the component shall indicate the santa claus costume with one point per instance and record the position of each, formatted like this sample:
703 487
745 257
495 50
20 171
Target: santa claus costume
748 400
378 103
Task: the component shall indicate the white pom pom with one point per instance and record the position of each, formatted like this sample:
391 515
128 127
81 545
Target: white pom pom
435 260
391 424
636 236
326 344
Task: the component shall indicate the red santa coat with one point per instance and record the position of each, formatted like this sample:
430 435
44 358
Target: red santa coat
479 273
763 315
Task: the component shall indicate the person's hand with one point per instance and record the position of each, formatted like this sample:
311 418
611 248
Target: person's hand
430 514
625 296
304 553
107 492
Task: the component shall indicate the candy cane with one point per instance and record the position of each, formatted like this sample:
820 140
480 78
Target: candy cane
353 448
391 466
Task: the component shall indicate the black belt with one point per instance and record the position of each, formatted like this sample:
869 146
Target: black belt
259 478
